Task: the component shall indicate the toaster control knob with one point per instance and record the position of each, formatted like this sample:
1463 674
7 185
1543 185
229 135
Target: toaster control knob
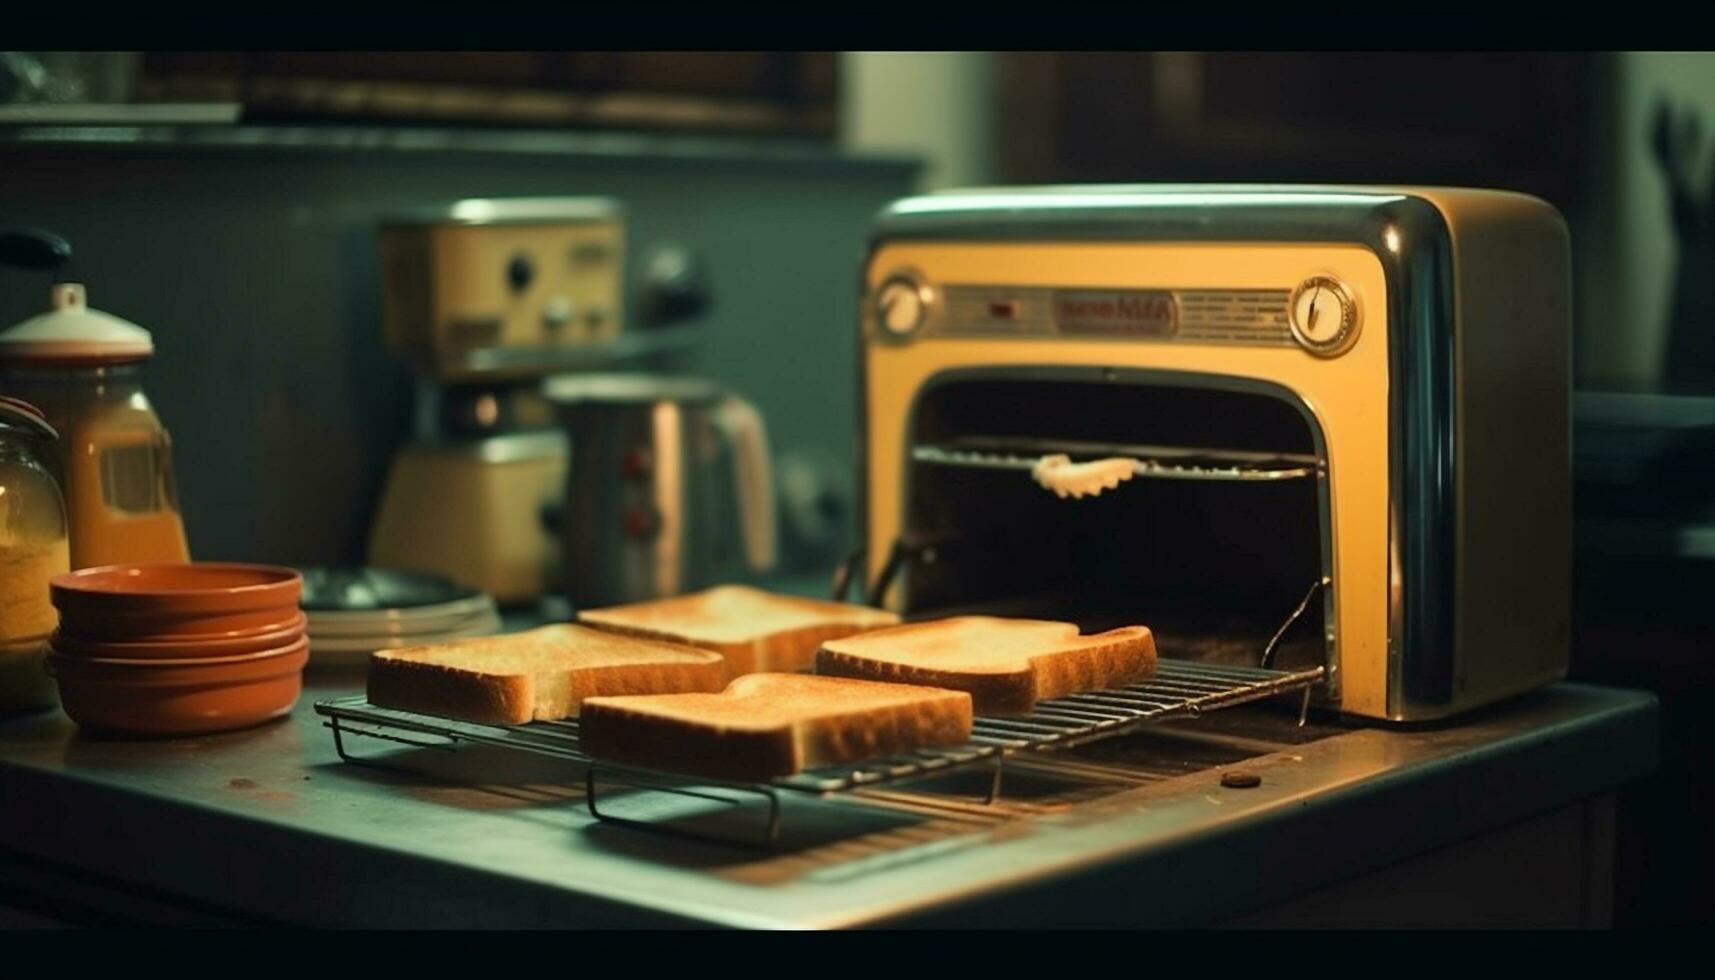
1323 316
901 305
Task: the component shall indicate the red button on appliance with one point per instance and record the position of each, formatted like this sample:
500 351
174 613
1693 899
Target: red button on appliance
636 463
640 522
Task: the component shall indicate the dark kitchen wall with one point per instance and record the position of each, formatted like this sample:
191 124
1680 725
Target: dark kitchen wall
1535 122
250 254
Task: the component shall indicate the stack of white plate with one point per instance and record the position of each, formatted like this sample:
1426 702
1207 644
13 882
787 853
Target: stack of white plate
353 612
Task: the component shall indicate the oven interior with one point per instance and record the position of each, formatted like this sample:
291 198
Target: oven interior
1218 543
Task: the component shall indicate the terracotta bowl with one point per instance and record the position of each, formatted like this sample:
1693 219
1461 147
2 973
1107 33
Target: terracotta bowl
288 619
180 697
191 647
162 603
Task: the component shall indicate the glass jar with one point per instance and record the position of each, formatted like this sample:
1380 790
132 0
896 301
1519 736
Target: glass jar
83 369
115 460
33 549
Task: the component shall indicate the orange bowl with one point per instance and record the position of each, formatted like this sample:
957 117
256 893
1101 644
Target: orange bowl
287 619
191 647
180 697
165 603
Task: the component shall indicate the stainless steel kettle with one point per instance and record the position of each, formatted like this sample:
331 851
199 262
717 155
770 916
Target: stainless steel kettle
669 489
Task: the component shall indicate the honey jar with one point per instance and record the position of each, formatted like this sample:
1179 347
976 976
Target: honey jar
33 549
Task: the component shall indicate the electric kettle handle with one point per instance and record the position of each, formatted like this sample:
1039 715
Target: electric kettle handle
753 476
33 248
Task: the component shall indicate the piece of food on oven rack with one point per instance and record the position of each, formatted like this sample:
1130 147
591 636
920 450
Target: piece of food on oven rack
754 630
1006 665
538 675
768 725
1058 473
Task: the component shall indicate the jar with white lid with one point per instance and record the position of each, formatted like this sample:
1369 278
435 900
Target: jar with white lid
83 368
33 549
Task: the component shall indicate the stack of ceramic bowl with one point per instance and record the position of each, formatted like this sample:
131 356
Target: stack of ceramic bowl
178 649
353 612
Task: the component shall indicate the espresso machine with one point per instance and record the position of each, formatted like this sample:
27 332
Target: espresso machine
484 299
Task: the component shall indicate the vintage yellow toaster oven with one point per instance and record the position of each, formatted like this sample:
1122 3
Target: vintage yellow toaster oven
1282 426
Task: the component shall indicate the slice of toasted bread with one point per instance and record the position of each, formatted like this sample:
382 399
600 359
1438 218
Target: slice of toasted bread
1006 665
768 725
755 630
540 674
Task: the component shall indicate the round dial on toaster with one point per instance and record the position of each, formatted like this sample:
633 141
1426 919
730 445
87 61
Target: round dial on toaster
901 305
1323 316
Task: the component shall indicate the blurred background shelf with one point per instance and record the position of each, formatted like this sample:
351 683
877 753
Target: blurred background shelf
786 93
120 114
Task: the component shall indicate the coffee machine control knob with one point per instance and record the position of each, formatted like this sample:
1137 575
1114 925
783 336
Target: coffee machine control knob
556 313
520 271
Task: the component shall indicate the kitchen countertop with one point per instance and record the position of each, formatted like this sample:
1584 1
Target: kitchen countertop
269 825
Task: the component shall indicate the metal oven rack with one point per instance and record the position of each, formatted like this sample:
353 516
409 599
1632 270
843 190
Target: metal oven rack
1154 462
1179 689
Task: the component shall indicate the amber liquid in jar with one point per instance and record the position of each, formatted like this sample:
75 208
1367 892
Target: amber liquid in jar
114 461
123 507
32 551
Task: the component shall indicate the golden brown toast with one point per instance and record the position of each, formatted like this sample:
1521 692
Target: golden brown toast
537 675
767 725
755 630
1006 665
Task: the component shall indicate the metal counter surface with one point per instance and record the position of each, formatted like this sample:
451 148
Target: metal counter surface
269 824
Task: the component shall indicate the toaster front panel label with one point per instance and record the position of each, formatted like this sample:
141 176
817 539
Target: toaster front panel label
1147 313
1214 316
